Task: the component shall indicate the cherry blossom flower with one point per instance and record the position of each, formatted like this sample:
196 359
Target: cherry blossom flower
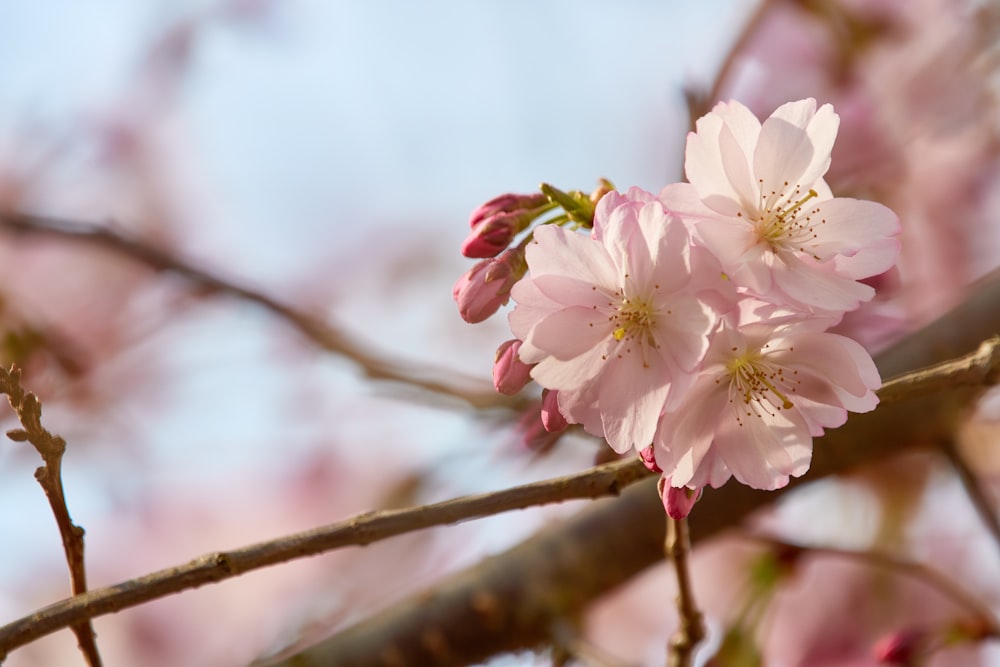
767 387
758 201
609 319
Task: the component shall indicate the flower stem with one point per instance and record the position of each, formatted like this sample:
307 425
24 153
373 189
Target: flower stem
692 627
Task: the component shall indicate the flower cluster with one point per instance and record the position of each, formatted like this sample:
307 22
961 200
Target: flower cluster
692 326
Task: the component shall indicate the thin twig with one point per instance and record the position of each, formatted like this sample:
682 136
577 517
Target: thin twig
374 365
977 494
691 630
931 577
51 448
605 480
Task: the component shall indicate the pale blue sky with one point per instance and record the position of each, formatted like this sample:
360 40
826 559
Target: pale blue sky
335 119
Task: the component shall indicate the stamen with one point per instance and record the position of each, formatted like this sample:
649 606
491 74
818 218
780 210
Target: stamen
752 378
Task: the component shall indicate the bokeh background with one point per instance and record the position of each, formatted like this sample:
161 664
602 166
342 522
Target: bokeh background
328 154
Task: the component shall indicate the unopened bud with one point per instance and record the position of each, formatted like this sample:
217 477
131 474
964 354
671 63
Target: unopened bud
505 204
677 501
552 419
510 374
604 188
902 648
491 237
486 286
649 459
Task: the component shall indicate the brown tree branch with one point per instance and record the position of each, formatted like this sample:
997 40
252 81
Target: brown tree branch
374 365
979 369
608 479
51 448
887 430
510 601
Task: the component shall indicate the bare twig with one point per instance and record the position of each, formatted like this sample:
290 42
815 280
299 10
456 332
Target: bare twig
947 588
692 625
977 494
51 448
374 365
608 479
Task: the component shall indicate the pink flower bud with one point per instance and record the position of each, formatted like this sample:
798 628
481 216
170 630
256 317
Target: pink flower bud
491 237
552 419
480 292
510 374
505 204
901 648
649 458
677 501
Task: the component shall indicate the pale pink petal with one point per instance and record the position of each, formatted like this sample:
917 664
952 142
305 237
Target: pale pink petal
556 251
843 226
765 451
531 307
684 332
568 333
684 436
867 261
837 359
821 125
782 155
668 243
631 398
580 407
569 291
820 415
814 287
552 373
736 165
729 239
703 157
743 123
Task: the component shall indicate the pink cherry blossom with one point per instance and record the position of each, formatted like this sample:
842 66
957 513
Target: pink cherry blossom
765 390
609 319
758 201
